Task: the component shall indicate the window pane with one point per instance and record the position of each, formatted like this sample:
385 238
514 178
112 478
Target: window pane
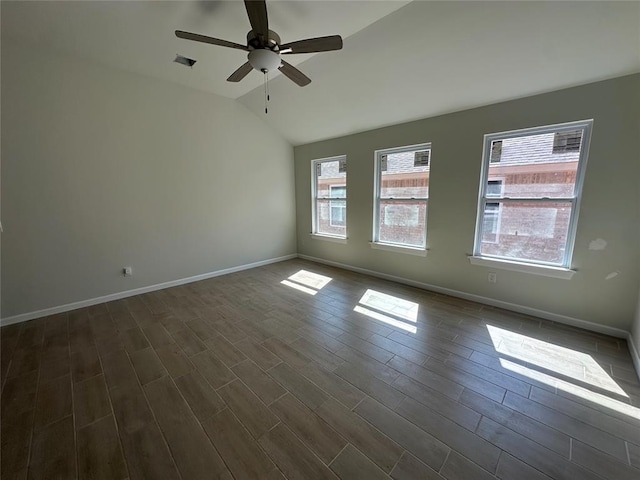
534 166
331 217
496 151
494 189
329 176
531 231
330 202
490 222
403 222
338 213
405 174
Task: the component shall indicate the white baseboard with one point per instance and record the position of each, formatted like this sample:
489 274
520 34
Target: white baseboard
574 322
137 291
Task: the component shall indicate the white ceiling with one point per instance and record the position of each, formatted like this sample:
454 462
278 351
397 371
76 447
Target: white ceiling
138 36
400 61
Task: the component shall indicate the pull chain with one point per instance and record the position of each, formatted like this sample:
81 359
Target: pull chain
266 90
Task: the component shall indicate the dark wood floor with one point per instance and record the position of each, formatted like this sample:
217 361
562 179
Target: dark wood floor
245 377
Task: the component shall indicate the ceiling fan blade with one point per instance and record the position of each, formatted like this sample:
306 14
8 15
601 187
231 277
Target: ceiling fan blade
257 12
240 73
213 41
292 73
312 45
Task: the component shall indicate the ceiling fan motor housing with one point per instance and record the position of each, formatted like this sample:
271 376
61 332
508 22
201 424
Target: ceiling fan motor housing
272 42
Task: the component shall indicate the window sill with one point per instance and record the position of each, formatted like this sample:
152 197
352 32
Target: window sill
544 270
421 252
329 238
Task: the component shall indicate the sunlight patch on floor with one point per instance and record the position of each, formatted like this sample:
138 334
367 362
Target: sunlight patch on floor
391 310
572 389
561 360
301 288
310 279
307 282
392 305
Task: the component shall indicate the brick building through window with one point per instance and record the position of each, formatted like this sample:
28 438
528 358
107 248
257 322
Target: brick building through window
540 167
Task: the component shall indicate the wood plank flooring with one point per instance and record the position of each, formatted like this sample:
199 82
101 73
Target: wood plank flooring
245 377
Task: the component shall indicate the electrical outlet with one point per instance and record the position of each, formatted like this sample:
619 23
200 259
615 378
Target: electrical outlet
492 277
127 271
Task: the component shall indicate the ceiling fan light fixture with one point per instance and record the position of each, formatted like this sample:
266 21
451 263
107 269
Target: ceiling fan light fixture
264 60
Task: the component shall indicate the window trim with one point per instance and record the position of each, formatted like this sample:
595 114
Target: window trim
377 184
524 265
392 247
515 266
314 199
328 238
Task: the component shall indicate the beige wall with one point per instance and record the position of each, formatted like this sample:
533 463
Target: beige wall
102 169
635 329
609 210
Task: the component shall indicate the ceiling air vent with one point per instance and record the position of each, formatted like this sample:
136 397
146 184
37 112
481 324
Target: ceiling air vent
187 62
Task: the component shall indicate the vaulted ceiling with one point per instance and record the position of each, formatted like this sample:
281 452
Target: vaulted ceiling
401 60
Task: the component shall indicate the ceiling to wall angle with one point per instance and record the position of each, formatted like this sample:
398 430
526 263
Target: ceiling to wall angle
401 60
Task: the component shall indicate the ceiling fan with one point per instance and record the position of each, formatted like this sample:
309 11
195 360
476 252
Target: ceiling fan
264 46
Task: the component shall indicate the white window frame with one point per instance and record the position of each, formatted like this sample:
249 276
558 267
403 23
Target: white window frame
314 200
392 246
562 270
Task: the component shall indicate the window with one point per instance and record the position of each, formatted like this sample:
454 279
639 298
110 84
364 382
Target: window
529 199
338 208
329 177
491 219
496 151
567 141
494 188
401 194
